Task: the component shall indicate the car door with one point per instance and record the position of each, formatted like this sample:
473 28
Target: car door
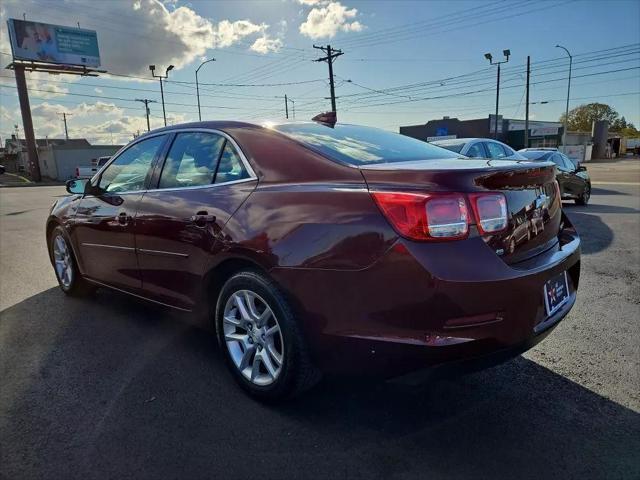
104 222
575 181
203 181
563 176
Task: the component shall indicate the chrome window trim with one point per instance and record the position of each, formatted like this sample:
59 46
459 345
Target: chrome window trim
243 158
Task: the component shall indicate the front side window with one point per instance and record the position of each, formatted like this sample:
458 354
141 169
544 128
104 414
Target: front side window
495 150
557 159
476 151
357 145
192 160
129 171
231 168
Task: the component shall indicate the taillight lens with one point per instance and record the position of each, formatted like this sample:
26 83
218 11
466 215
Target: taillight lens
490 210
425 216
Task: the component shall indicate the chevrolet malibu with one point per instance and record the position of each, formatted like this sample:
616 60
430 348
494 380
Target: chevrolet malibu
314 247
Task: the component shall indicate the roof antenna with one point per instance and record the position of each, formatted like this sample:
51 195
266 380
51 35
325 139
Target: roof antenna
327 118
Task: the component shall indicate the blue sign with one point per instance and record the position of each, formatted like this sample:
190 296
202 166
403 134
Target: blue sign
442 131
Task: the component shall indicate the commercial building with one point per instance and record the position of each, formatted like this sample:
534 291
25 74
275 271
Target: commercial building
510 131
58 158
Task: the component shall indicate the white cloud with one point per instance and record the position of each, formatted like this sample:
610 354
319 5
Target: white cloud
328 18
266 44
313 2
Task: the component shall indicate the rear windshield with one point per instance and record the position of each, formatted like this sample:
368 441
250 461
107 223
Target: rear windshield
454 147
357 145
535 155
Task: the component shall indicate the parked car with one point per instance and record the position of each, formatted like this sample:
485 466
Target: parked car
480 148
315 248
88 172
2 169
573 179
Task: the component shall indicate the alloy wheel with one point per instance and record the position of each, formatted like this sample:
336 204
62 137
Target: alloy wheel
253 337
62 260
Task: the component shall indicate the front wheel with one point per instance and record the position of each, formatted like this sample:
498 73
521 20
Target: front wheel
586 195
65 265
260 339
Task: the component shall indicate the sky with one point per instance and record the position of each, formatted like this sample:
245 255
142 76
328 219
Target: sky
403 62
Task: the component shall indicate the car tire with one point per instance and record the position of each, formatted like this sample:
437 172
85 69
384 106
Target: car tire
65 265
586 195
245 341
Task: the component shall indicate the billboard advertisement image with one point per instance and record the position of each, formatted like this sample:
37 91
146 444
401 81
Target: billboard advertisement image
42 42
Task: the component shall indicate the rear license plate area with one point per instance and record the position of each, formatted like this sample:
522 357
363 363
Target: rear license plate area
556 293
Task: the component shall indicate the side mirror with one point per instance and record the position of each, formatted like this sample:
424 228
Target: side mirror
581 168
77 187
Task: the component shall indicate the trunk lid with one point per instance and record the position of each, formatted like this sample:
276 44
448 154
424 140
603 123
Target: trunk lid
533 204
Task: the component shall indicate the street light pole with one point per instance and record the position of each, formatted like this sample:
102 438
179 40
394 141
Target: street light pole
198 87
166 75
489 57
566 112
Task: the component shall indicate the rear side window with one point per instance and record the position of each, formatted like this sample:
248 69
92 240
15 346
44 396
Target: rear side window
495 150
231 168
192 160
454 147
357 145
476 151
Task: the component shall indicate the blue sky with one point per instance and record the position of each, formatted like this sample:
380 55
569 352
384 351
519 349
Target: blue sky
387 45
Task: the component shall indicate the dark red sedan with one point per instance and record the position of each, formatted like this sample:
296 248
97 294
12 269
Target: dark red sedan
315 247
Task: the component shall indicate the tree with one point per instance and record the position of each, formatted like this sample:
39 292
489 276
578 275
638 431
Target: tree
581 118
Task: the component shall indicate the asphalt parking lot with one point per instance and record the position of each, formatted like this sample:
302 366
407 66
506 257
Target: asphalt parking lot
108 387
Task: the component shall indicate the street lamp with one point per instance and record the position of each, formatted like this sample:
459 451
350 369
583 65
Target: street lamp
198 88
166 75
566 112
488 56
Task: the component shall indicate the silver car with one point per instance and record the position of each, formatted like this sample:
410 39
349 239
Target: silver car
480 148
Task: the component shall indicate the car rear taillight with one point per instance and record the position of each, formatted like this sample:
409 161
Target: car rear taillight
442 216
425 216
556 186
490 210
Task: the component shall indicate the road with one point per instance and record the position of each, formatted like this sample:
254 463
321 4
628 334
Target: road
108 387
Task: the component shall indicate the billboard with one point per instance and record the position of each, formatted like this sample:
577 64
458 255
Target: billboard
42 42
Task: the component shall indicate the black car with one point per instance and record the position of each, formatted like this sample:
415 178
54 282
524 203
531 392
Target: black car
574 181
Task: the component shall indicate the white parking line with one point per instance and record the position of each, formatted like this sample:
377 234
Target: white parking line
616 183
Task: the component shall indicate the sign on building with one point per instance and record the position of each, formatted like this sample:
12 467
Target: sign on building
43 42
441 137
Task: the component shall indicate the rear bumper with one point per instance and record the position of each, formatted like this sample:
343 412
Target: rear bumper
426 305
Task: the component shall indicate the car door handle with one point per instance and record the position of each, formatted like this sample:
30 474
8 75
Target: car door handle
201 219
123 218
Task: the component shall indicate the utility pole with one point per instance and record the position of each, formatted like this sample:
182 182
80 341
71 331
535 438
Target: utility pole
64 119
198 87
146 102
27 122
488 56
566 112
286 106
166 75
526 117
331 55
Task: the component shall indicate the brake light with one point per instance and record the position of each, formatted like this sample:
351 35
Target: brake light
425 216
490 210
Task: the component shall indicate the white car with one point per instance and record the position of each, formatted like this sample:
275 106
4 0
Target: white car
88 172
480 148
